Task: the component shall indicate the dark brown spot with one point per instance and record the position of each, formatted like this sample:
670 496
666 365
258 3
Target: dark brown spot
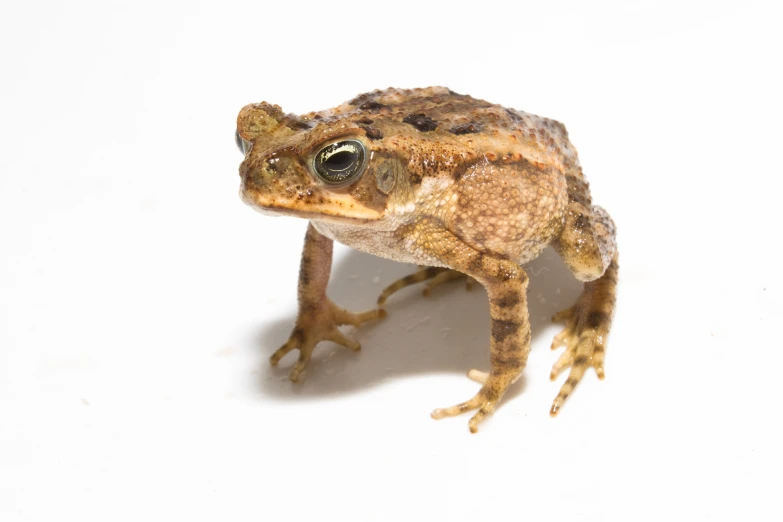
432 271
516 118
578 197
508 300
581 221
479 237
361 98
467 128
580 360
491 394
364 121
371 106
461 170
596 319
295 124
414 178
297 334
475 265
304 271
507 361
307 308
502 329
373 133
421 121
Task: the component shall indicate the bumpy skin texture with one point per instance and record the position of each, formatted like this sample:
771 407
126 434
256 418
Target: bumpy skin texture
453 183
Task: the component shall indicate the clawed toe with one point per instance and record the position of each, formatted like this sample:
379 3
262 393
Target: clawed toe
283 350
478 376
584 347
458 409
493 388
319 326
563 315
480 401
336 336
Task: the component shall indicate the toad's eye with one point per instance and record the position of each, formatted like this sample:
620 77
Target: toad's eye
243 145
340 162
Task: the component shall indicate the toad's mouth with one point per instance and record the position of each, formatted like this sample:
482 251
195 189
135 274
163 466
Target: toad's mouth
335 208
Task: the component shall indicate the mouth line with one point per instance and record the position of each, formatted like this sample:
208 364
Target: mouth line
318 214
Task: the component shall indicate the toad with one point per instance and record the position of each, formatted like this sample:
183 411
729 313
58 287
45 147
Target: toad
458 185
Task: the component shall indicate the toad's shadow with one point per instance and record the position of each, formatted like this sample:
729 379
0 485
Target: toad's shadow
445 332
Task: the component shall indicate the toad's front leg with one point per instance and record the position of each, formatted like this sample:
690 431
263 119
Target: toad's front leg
318 317
587 327
506 284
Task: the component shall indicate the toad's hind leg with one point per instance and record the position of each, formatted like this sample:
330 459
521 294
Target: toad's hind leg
435 276
587 246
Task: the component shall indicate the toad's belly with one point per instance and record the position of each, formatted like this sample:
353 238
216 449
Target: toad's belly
403 248
382 243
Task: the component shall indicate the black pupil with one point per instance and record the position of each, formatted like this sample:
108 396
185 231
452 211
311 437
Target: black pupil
341 161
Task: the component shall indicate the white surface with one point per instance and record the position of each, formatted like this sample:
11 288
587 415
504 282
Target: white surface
139 299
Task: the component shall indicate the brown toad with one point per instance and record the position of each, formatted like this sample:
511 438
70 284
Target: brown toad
436 178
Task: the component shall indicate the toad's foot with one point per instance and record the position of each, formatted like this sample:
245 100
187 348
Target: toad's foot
587 326
436 276
486 400
319 323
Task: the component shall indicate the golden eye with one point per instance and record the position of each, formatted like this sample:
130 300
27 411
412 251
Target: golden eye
340 162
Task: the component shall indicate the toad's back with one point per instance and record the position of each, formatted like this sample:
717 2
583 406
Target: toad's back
451 118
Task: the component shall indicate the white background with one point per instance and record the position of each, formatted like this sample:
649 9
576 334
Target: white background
140 299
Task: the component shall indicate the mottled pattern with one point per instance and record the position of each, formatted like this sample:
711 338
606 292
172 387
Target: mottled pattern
455 183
